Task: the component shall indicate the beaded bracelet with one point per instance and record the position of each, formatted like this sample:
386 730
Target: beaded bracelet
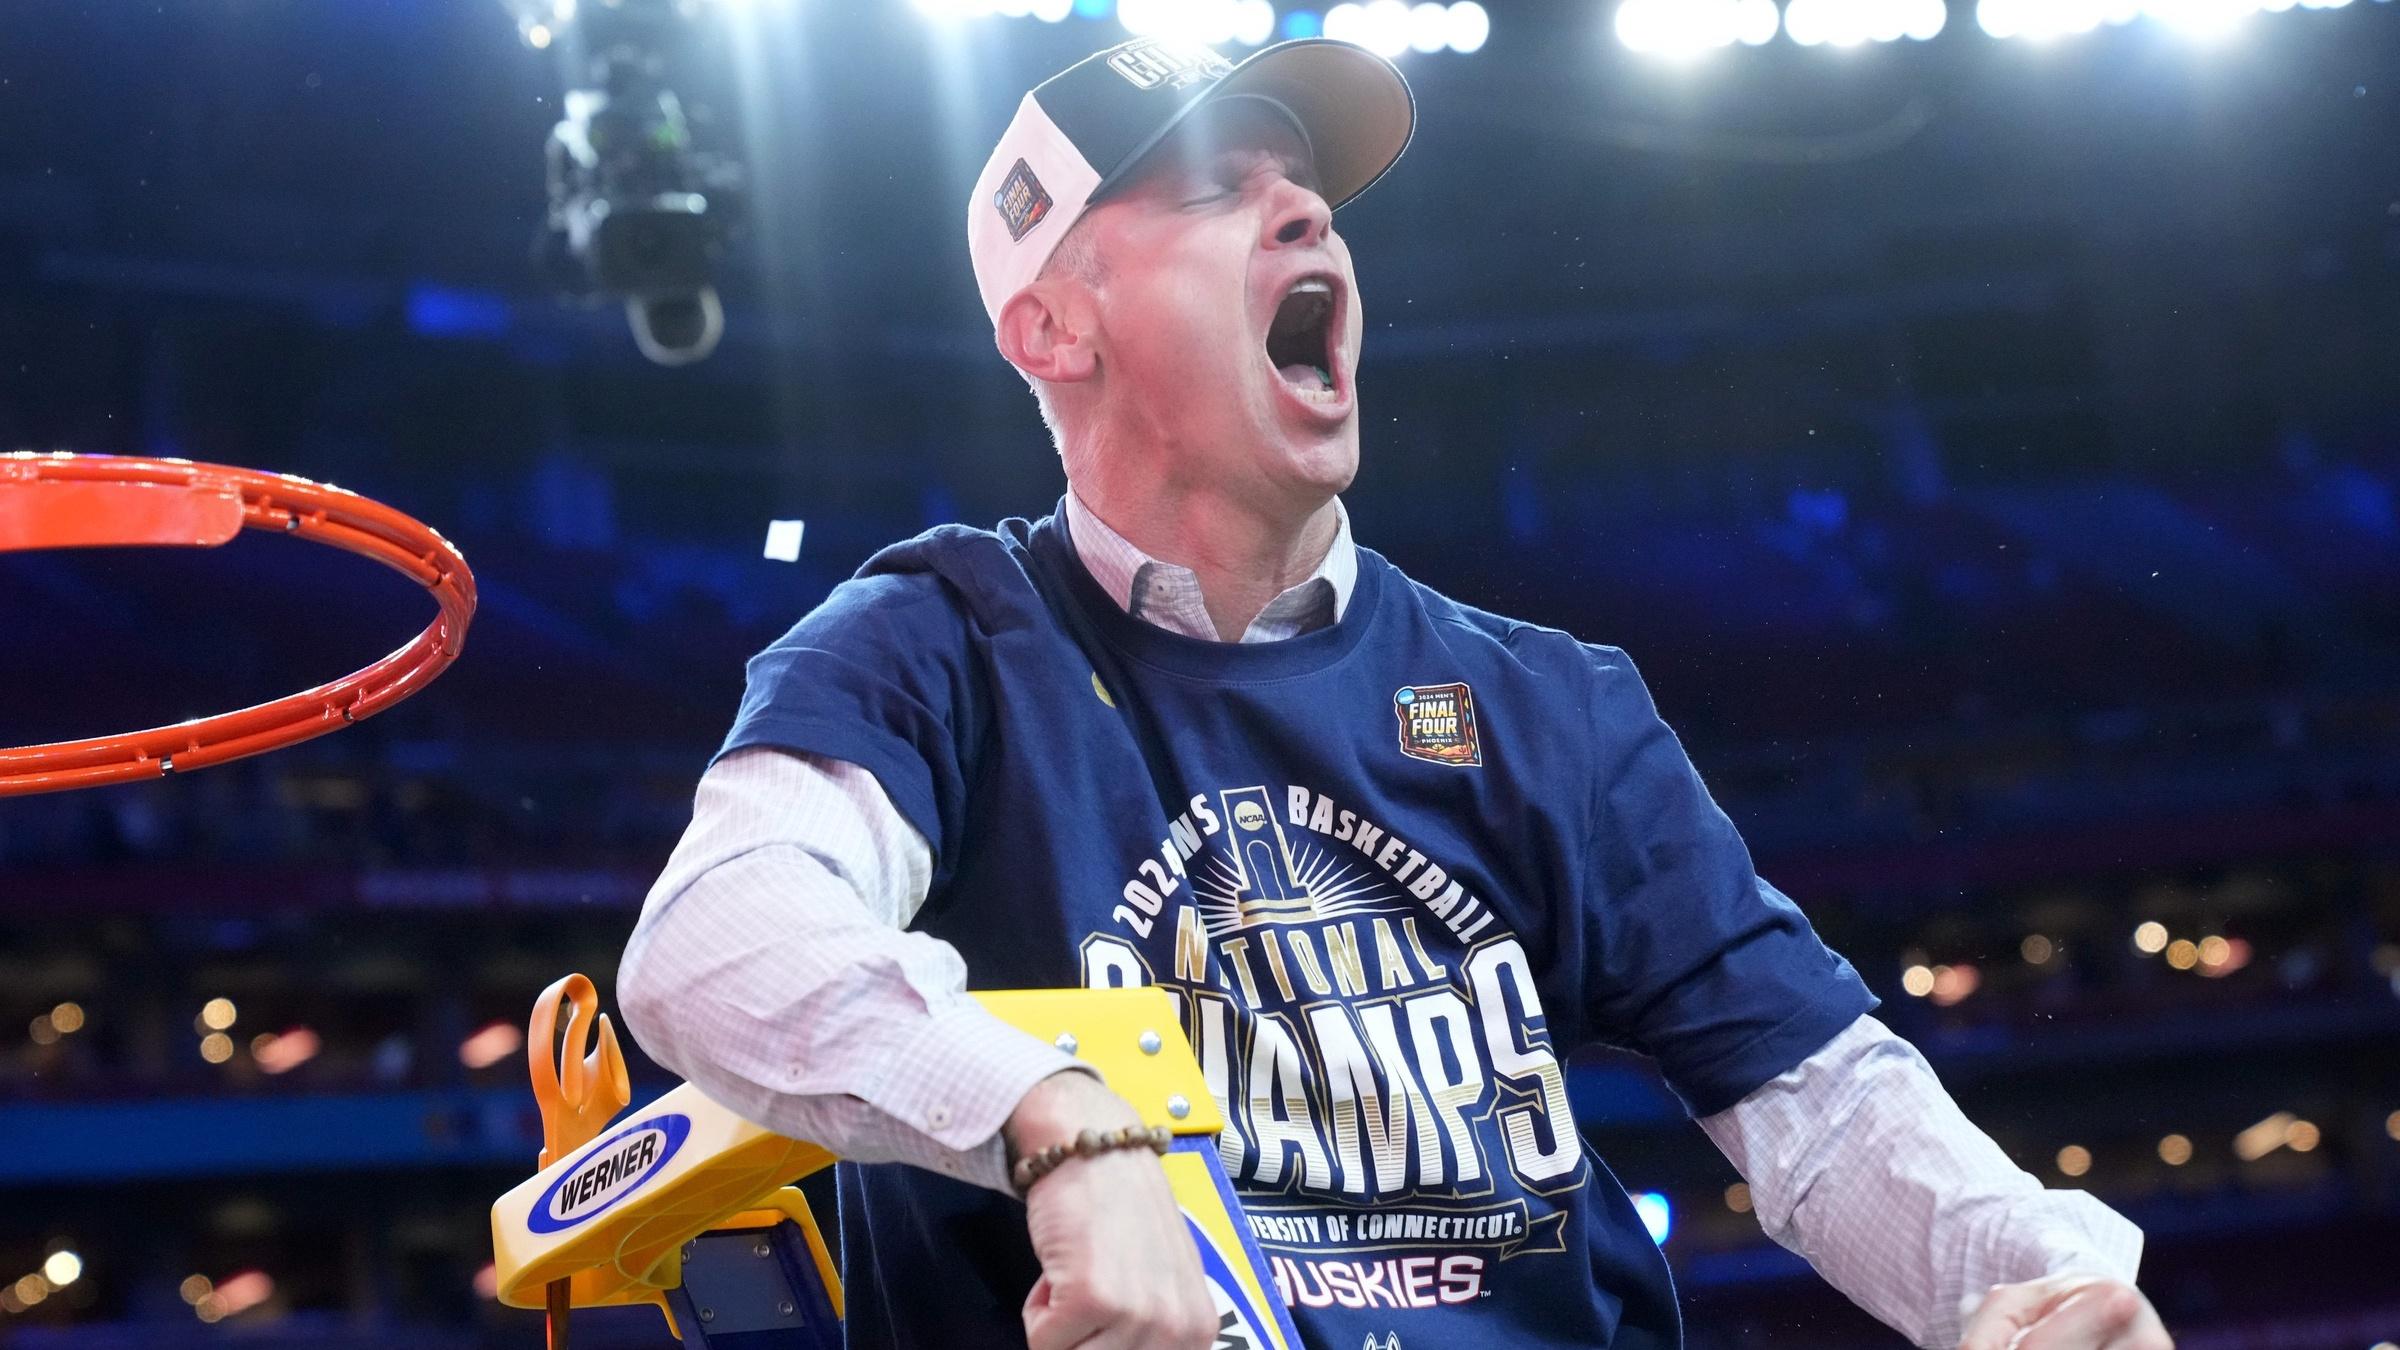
1089 1144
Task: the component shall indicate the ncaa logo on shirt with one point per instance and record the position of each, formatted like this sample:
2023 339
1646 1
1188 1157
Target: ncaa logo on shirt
1437 724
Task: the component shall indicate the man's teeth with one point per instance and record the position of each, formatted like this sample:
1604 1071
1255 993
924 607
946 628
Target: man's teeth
1307 379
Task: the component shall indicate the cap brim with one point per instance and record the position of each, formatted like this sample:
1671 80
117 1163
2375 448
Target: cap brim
1354 105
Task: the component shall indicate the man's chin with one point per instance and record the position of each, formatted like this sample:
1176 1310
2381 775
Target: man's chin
1322 465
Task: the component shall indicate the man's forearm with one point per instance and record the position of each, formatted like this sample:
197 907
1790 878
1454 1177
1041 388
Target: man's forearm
1859 1160
768 969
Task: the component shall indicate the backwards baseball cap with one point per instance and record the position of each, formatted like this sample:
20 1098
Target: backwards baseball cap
1085 130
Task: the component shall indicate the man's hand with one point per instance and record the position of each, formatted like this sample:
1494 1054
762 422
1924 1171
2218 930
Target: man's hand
1119 1271
2065 1312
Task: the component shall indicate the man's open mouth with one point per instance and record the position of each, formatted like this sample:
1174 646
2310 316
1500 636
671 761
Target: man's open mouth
1301 341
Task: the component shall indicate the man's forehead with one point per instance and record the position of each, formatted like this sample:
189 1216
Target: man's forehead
1237 122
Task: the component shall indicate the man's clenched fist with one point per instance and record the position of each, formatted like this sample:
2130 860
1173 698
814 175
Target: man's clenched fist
2066 1312
1119 1271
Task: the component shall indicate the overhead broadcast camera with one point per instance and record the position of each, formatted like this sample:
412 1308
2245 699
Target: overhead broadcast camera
636 211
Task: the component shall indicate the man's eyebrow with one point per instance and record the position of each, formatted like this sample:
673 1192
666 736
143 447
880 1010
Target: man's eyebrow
1298 163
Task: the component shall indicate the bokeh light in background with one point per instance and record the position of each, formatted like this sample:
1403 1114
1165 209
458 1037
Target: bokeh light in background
1658 1215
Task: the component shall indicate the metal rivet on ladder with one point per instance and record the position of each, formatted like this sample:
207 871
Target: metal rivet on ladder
784 1307
1178 1106
708 1314
1065 1041
1151 1044
761 1249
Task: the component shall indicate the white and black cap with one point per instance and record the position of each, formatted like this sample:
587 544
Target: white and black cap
1086 129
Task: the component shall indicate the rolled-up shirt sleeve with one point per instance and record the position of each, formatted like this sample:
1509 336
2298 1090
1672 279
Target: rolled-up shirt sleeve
1858 1159
771 968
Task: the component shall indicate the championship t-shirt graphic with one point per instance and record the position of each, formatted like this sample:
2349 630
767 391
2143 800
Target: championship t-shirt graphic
1396 1117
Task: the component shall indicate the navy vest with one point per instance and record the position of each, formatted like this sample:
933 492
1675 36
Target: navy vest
1393 871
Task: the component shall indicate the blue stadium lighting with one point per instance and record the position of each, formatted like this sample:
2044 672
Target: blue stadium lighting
1303 23
1094 9
438 311
1657 1215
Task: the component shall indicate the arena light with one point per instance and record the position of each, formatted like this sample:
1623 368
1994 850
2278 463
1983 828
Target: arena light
1428 27
2074 1160
1382 27
1211 23
1657 1215
1755 22
1848 23
2175 1150
1680 29
1253 22
496 1041
238 1293
279 1054
2203 19
1471 26
2264 1138
1953 984
2043 19
62 1268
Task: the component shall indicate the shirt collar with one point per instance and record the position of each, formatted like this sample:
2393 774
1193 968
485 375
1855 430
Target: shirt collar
1168 595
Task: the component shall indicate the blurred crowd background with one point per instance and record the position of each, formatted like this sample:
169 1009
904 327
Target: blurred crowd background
1981 422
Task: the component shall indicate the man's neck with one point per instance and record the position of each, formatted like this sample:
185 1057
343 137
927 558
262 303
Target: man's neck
1242 556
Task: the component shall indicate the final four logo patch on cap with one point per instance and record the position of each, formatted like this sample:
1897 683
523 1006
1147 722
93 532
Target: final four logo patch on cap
1437 724
1021 200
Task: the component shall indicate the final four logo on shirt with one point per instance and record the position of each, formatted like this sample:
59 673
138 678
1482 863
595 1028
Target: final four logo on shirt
1437 724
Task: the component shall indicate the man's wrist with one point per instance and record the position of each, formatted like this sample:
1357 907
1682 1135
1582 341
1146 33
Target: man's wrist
1059 1108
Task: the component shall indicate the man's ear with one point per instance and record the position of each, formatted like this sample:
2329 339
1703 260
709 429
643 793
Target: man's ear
1047 330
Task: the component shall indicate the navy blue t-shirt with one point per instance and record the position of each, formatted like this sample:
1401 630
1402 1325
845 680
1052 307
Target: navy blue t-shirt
1393 871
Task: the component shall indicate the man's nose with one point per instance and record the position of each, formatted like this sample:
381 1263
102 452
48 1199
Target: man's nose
1298 216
